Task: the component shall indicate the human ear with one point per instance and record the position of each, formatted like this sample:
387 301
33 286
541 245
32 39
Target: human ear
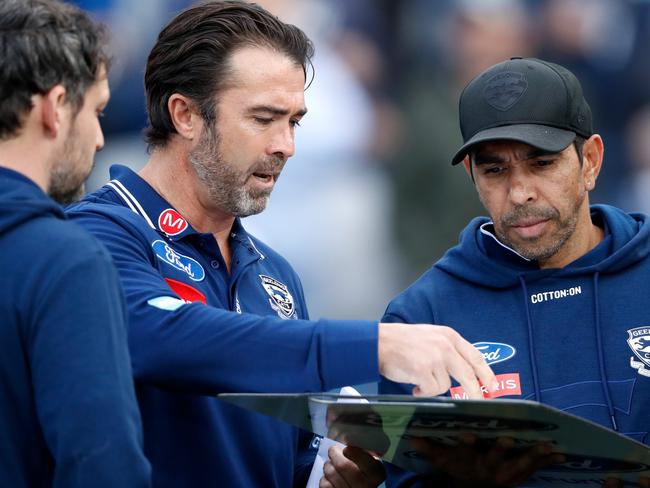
54 110
592 160
183 116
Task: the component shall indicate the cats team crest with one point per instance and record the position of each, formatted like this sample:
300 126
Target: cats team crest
280 299
639 341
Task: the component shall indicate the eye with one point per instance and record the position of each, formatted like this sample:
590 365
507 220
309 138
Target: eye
541 163
493 170
263 120
294 123
100 114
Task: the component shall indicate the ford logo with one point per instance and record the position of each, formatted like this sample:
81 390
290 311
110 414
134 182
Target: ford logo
495 352
179 261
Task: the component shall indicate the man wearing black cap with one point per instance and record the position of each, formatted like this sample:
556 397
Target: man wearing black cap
545 286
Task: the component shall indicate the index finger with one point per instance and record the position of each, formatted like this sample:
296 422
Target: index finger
460 369
477 363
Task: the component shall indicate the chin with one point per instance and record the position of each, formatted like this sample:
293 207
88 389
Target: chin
68 196
252 208
249 212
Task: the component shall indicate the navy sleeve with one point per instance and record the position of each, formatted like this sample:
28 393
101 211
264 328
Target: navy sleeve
204 349
305 457
81 374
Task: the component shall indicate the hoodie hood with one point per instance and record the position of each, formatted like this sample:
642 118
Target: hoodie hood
481 259
22 200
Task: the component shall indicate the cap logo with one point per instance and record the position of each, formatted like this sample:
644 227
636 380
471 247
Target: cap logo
505 89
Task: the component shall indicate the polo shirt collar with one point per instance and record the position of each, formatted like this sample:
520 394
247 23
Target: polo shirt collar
140 197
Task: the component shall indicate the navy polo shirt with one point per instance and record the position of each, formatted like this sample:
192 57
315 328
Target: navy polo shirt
197 330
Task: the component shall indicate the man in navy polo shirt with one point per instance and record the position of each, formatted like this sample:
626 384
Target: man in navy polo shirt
212 309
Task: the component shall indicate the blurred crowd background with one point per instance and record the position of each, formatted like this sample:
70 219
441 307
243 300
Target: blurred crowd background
370 200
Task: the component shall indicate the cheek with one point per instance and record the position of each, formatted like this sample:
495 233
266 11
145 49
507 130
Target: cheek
491 199
562 193
86 132
242 153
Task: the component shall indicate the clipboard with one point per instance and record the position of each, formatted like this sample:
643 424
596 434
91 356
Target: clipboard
385 424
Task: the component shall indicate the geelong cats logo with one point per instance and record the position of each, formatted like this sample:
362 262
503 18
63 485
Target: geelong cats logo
639 341
281 300
504 90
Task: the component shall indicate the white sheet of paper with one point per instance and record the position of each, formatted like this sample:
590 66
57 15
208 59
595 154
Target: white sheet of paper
325 443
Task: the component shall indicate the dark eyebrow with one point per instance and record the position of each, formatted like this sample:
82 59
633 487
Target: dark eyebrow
482 158
274 110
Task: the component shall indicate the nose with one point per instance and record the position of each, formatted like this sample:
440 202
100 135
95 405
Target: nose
283 143
99 142
522 189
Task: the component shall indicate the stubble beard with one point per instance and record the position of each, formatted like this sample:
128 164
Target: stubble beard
226 187
540 249
67 180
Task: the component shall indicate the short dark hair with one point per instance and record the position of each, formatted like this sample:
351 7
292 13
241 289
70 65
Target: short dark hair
192 53
44 43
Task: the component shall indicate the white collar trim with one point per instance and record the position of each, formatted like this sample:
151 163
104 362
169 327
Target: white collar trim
486 232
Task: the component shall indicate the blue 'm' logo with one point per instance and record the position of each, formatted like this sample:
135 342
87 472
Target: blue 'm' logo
495 352
179 261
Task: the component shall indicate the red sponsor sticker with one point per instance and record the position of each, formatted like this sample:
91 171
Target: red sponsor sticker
186 292
171 222
509 384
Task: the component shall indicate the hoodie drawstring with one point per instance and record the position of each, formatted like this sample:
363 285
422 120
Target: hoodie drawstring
531 342
599 345
601 356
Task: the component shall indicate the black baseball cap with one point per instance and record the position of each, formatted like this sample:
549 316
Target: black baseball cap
526 100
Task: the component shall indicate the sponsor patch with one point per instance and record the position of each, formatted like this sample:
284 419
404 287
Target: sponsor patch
546 296
190 266
495 352
509 384
187 293
281 300
639 341
171 222
166 303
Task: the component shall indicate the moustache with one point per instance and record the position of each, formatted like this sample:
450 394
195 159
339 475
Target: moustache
523 212
271 165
